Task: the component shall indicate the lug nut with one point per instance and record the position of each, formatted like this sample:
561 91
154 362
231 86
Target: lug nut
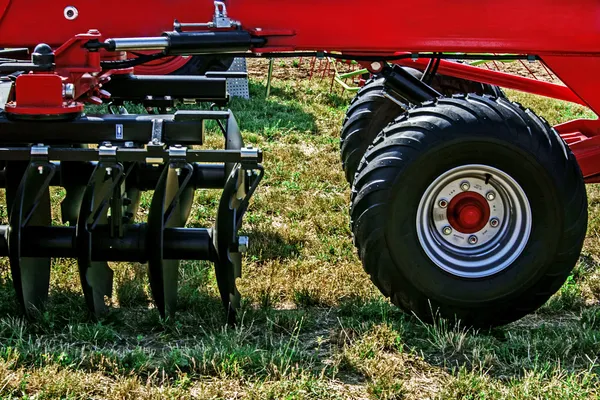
494 222
243 244
491 196
447 230
443 203
473 240
464 186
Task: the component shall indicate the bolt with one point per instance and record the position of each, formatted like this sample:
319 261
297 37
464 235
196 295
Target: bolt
376 66
464 186
243 244
447 230
491 196
494 222
443 203
473 240
70 13
41 170
108 171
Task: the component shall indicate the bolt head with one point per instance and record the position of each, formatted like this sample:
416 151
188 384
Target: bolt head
443 203
473 240
494 222
447 230
376 66
491 196
464 186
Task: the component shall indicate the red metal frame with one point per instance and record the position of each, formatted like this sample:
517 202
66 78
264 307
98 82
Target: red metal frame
565 34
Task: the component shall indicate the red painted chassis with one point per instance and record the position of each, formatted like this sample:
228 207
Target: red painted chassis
564 35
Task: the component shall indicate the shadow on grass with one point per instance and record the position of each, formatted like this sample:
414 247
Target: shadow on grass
267 341
269 245
271 117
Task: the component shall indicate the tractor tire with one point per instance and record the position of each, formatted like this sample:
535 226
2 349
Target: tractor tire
370 112
469 208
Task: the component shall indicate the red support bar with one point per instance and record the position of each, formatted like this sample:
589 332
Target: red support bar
498 78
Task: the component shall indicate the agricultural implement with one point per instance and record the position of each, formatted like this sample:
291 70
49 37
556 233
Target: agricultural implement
463 203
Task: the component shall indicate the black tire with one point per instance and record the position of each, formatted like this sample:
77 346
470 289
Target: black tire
200 65
370 112
430 140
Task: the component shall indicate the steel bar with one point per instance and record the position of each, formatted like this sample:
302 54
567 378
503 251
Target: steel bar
126 155
60 241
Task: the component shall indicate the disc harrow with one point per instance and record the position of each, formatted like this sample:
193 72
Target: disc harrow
104 185
464 204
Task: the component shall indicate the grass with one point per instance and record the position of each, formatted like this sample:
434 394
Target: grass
312 324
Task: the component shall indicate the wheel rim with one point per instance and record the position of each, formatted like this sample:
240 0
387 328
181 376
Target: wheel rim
474 221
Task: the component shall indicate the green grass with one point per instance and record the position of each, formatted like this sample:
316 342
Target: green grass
312 325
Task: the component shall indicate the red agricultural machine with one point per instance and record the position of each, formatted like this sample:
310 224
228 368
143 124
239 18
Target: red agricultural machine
463 203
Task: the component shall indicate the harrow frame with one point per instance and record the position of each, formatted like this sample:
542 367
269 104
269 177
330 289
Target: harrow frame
45 133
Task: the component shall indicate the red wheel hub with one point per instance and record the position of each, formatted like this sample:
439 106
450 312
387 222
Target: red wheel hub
469 212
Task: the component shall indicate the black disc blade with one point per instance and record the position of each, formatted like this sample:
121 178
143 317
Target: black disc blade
30 275
163 273
35 272
228 265
96 276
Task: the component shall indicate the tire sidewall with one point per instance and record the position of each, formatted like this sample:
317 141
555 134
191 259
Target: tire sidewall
417 270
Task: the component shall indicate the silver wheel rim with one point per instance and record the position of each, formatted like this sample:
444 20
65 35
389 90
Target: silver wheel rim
491 249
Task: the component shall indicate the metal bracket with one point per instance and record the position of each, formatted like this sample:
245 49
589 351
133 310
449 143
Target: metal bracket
178 151
250 156
220 20
156 141
39 150
157 131
107 150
